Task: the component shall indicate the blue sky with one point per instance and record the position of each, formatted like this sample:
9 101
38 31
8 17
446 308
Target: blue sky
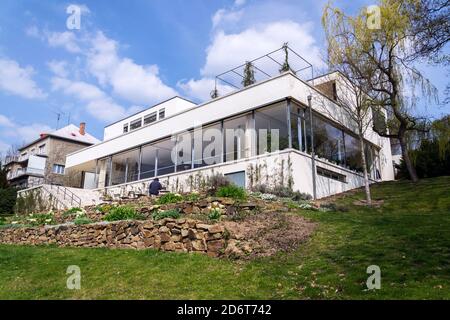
129 55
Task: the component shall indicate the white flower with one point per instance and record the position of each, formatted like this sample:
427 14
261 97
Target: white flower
32 220
48 220
15 222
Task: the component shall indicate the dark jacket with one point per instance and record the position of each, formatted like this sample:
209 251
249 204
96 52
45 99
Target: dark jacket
154 188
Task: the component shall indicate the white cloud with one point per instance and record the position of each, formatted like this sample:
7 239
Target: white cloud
224 16
131 81
59 68
22 133
95 101
5 122
230 50
28 133
18 81
201 89
66 40
243 32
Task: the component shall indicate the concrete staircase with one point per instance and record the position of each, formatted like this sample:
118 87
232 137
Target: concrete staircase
62 198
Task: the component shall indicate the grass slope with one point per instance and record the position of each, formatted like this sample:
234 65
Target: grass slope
409 238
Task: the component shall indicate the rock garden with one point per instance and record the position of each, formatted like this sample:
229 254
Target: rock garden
221 221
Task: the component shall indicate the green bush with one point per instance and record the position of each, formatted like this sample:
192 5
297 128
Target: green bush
72 211
39 219
214 214
282 192
193 197
169 198
123 213
82 220
7 200
104 208
215 182
174 214
232 191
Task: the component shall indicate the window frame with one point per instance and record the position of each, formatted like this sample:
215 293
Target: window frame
153 116
136 121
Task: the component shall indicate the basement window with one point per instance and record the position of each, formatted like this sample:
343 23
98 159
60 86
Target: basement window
331 174
136 124
150 118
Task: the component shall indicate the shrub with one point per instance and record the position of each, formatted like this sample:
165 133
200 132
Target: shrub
232 191
174 214
193 197
39 219
282 192
267 197
261 188
215 214
169 198
215 182
307 206
82 220
300 196
123 213
72 211
7 200
105 208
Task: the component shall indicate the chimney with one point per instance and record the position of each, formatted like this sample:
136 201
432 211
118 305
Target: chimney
83 128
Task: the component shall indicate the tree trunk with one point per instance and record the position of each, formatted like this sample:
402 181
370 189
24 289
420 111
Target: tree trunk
366 174
411 169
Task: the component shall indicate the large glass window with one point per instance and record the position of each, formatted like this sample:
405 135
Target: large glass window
148 162
271 128
235 131
165 163
328 141
125 167
208 145
298 128
184 151
353 153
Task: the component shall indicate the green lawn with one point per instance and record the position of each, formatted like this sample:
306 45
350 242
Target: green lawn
409 238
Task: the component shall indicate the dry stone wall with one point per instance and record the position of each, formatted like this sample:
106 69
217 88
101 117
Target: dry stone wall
181 235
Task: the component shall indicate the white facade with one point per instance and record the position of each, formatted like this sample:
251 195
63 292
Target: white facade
286 91
150 115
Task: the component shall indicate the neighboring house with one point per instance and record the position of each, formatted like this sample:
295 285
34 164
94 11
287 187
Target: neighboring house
43 160
143 146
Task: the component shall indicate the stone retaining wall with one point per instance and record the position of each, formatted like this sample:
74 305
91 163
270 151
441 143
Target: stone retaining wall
182 235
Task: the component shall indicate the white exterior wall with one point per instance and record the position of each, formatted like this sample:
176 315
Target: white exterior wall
275 169
172 106
259 94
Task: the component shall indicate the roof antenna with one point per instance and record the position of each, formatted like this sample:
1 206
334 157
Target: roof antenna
58 117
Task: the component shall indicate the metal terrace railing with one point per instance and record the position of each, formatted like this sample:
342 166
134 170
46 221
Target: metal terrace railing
264 67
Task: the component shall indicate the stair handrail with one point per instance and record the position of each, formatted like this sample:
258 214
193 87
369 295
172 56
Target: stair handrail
67 193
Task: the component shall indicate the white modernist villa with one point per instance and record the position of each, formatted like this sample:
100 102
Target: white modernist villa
147 144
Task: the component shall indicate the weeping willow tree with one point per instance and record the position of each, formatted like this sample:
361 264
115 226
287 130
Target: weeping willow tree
249 75
389 69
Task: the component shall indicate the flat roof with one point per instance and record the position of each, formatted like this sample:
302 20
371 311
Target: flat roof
159 103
